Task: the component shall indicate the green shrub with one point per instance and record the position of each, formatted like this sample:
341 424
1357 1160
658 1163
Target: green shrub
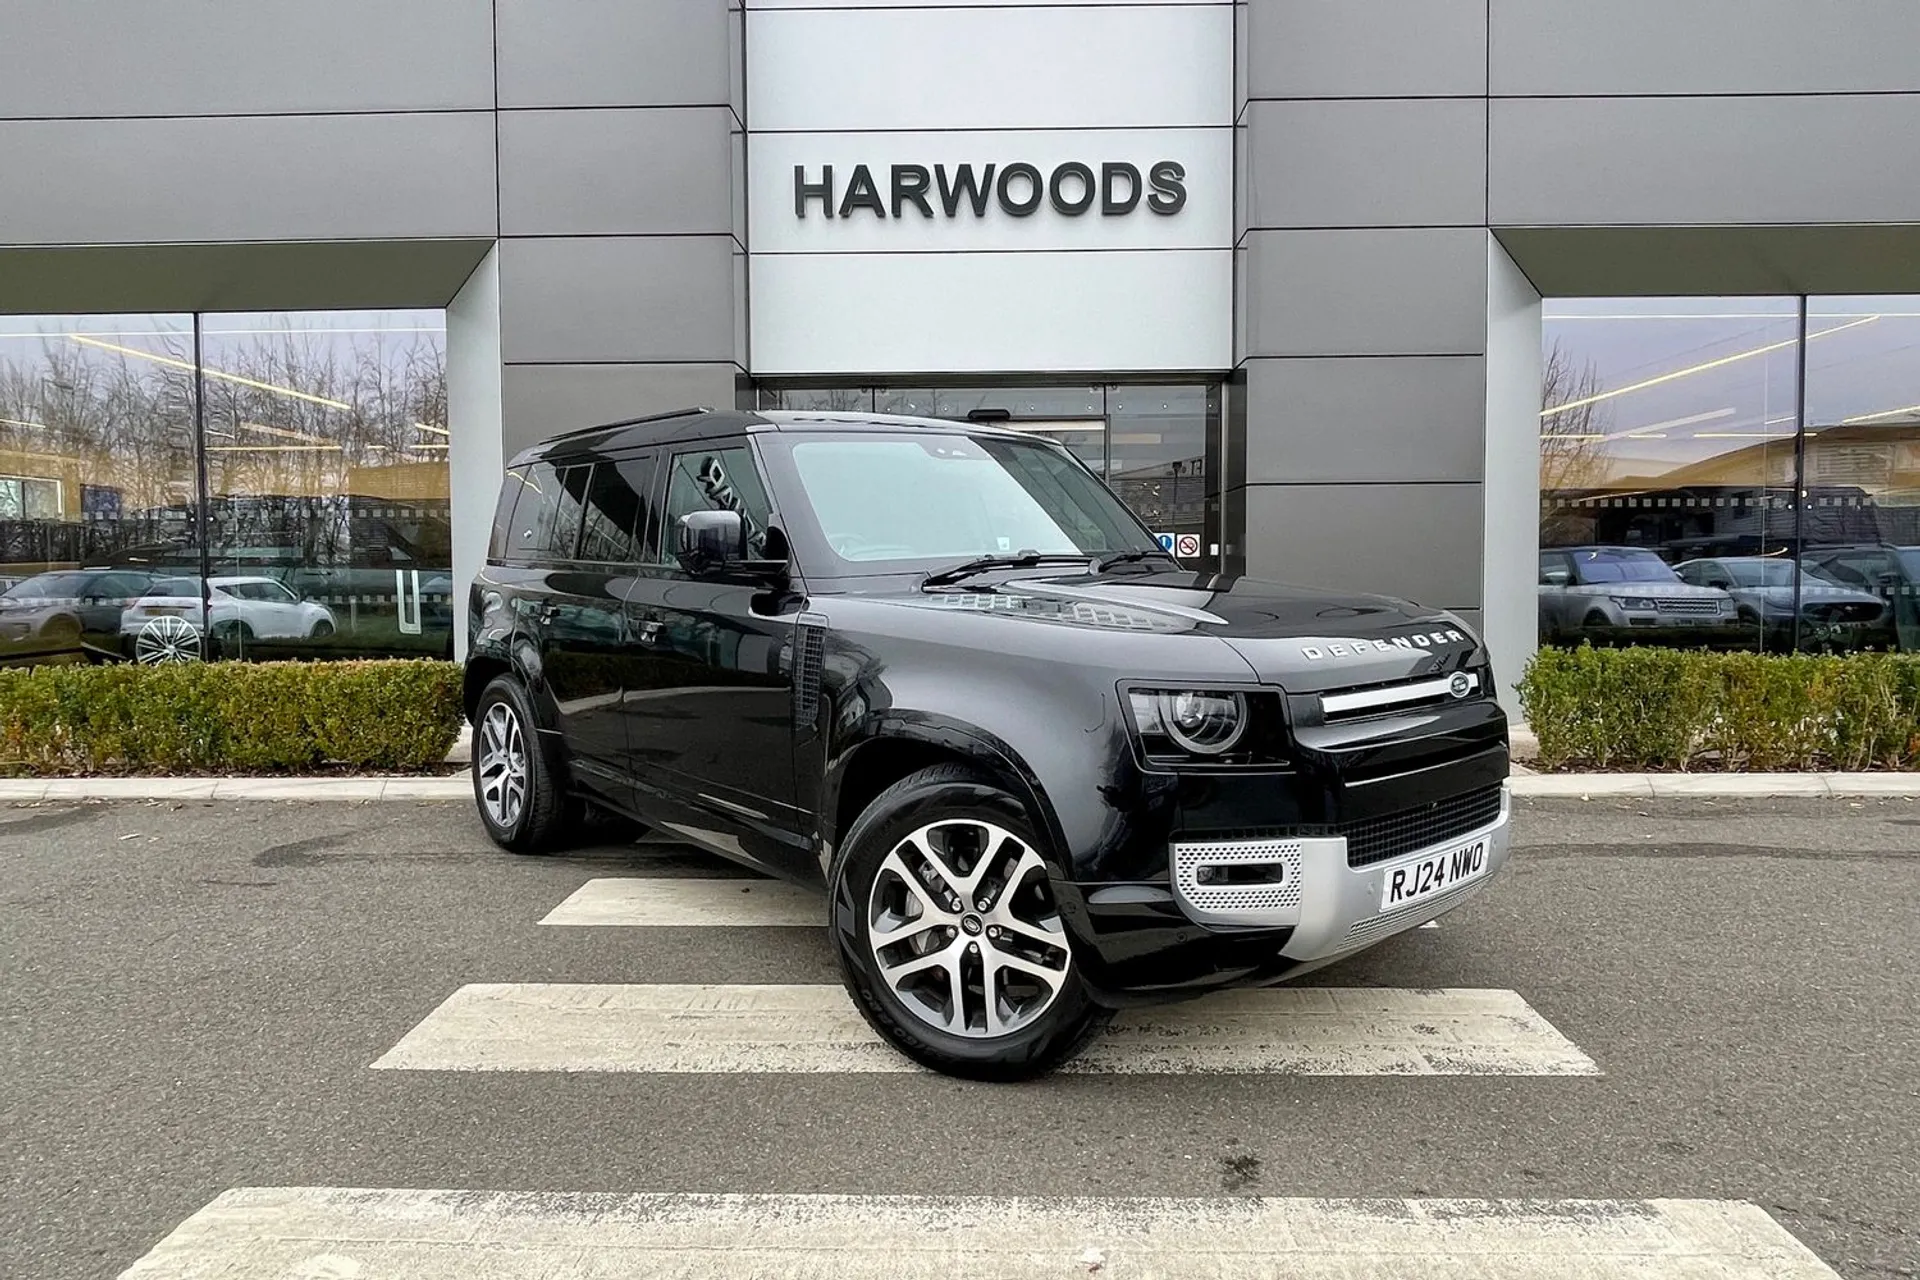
1665 709
229 717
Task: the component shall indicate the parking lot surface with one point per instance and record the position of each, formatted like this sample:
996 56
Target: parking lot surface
1681 1035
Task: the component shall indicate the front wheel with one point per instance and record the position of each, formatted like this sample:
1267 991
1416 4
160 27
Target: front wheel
948 936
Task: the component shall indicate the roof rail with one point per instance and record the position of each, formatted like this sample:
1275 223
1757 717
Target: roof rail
624 422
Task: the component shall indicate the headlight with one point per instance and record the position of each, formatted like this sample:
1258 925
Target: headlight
1632 602
1205 724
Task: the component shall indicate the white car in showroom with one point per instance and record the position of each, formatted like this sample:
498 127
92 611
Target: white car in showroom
165 624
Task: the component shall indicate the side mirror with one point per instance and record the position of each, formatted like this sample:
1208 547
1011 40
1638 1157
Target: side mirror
1555 578
710 540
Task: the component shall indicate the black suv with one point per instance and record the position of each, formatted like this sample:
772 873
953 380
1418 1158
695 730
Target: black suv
941 672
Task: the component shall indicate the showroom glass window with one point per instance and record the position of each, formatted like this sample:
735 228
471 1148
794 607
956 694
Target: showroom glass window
325 496
1672 449
1149 442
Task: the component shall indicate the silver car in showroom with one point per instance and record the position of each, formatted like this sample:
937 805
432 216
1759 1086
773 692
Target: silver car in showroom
1625 594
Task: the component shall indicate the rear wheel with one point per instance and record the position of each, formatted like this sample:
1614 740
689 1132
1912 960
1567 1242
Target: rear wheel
516 782
947 933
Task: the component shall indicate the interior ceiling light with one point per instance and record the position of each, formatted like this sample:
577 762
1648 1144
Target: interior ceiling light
1884 413
171 363
273 448
439 431
1723 361
31 426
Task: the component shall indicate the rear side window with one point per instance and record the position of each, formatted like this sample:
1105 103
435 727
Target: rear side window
546 516
501 540
617 526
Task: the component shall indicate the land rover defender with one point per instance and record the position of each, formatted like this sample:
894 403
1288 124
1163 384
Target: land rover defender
938 670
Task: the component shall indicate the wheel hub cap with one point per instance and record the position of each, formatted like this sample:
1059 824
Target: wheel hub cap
502 765
982 972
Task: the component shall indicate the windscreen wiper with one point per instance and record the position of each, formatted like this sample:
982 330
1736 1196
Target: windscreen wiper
1105 563
968 568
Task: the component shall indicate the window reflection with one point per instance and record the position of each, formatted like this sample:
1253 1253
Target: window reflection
1671 433
326 498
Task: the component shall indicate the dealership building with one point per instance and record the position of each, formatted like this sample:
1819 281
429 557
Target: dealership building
1425 297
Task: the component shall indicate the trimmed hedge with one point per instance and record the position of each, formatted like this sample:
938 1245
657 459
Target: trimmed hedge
1673 709
229 718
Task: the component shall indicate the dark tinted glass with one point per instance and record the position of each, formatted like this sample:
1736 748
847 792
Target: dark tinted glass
718 479
616 511
501 541
546 517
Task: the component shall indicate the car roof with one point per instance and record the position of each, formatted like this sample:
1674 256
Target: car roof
705 423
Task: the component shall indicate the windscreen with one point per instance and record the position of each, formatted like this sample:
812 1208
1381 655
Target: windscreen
927 496
1621 566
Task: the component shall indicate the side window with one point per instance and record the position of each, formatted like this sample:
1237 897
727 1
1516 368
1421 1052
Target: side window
1555 562
720 478
500 543
546 518
618 516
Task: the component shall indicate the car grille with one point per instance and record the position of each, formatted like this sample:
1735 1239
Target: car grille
1372 840
1686 604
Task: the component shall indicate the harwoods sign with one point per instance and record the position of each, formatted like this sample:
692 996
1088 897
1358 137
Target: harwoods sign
1072 188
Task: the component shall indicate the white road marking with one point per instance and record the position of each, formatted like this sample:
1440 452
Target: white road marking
274 1233
677 903
815 1028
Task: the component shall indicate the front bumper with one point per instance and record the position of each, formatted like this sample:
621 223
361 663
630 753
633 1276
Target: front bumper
1151 943
1332 909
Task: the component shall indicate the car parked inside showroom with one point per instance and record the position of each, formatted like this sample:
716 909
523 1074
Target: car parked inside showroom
1610 594
68 615
166 623
1763 590
1039 769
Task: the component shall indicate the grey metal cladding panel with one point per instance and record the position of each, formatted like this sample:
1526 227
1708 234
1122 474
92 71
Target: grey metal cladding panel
1366 419
1363 292
542 400
656 298
1419 542
615 53
1579 47
343 177
1726 161
218 57
646 171
1376 163
1366 48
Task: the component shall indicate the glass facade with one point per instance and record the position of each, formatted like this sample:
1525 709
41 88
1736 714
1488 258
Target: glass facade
1149 442
1731 473
240 486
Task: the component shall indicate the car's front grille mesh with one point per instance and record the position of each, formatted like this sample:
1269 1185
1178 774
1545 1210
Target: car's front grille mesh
1371 840
1687 604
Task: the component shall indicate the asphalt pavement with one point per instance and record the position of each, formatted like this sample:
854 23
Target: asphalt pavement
195 994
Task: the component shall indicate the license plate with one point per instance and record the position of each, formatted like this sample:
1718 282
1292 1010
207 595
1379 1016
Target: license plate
1435 873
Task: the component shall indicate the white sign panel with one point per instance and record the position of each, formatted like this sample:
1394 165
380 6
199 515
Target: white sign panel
1046 67
990 189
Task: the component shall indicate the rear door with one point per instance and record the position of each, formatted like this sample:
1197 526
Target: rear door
712 732
570 611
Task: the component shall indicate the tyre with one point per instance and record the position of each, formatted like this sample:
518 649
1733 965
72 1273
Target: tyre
232 640
517 781
947 934
166 641
322 630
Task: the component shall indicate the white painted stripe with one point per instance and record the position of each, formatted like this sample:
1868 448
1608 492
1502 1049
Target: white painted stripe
317 1233
673 903
815 1028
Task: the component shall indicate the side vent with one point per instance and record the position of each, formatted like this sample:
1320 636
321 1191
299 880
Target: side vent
810 655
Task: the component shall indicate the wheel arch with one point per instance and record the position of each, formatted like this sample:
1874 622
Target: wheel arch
901 746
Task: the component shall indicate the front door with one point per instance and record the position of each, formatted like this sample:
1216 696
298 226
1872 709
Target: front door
713 732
